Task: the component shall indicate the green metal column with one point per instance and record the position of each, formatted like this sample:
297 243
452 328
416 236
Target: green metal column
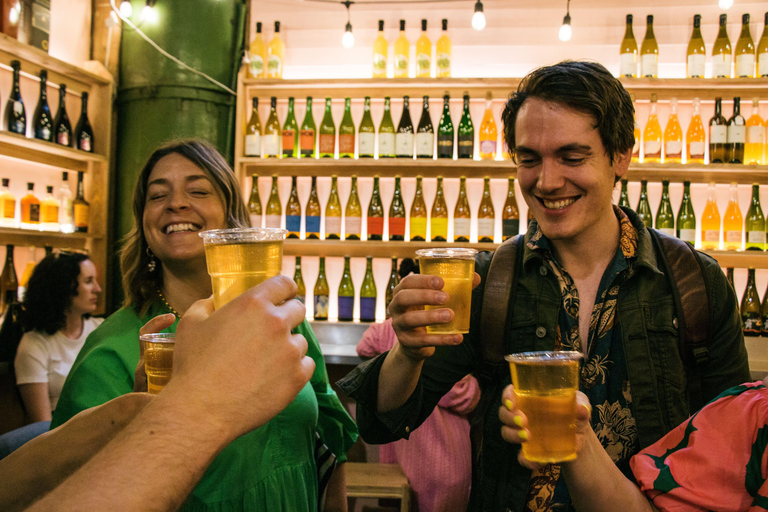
158 100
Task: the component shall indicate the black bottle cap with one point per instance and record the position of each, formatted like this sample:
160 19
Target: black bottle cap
258 27
745 18
445 24
697 20
629 19
402 25
723 19
423 25
381 25
649 19
277 26
30 186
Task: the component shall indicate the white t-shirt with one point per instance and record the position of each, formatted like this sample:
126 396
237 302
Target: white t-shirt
44 358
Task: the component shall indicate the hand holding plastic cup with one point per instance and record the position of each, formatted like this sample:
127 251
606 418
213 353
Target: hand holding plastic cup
456 266
158 359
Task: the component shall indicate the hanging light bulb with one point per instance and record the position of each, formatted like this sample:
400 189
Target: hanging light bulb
478 18
148 12
348 39
725 4
15 13
565 29
126 9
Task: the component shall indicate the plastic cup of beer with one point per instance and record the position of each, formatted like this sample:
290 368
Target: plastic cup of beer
241 258
158 359
545 386
457 268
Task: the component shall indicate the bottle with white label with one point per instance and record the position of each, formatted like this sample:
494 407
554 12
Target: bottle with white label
737 135
718 135
686 218
722 52
273 133
253 131
649 52
628 52
386 132
665 217
673 136
366 137
425 133
353 214
697 53
423 53
745 51
461 214
404 135
485 214
754 222
762 50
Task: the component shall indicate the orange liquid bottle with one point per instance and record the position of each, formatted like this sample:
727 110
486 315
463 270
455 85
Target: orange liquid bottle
710 223
733 223
695 137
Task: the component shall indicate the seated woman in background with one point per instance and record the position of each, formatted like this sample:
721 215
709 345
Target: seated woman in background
184 188
61 295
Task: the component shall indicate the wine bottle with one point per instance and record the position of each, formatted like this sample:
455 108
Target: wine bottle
42 120
423 53
404 135
386 132
346 294
628 51
320 293
624 195
418 218
312 213
751 317
686 217
402 53
697 53
253 131
333 212
665 217
695 137
718 135
443 53
445 130
62 129
644 206
736 135
652 135
254 203
764 313
649 52
722 54
272 132
394 279
9 283
755 145
274 210
425 133
488 132
301 289
368 294
485 214
81 207
380 52
637 133
66 205
293 212
729 277
275 55
438 217
745 50
462 216
710 222
733 222
375 217
327 133
308 132
762 50
49 211
754 223
257 55
397 214
673 136
466 135
366 138
7 205
15 114
510 215
83 130
353 214
290 140
347 132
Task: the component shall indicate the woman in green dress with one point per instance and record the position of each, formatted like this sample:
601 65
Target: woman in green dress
184 188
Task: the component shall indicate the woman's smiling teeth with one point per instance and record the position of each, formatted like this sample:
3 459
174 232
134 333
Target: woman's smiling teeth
175 228
559 204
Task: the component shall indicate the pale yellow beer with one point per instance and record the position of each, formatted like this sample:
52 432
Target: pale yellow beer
457 268
158 359
239 259
545 386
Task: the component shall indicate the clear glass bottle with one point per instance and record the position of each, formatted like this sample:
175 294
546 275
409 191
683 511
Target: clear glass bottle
628 51
649 52
253 131
353 214
697 52
754 149
745 50
333 212
402 53
722 54
275 55
686 217
488 132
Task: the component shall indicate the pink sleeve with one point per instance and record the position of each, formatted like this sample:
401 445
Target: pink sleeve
377 339
463 397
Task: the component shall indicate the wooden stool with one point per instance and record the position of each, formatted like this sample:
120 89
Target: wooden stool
373 480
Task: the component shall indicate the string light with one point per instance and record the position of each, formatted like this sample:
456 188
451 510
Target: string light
148 12
565 29
478 18
725 4
348 39
126 9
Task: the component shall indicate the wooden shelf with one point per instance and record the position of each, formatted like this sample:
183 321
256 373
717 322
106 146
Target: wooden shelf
29 237
698 173
48 153
702 88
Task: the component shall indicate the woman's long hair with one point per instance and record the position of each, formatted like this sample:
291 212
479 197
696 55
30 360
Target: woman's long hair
139 283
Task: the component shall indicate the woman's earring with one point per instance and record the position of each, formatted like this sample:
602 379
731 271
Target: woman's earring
151 266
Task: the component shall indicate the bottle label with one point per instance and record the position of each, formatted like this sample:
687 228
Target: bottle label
272 144
667 231
628 64
755 135
253 144
366 144
673 149
762 64
367 309
312 224
488 147
466 147
352 225
18 107
272 221
50 212
321 306
733 236
753 323
307 142
332 226
401 64
396 226
439 228
711 235
756 237
484 228
293 223
718 134
256 65
9 208
63 138
375 226
461 228
255 220
688 235
326 143
379 64
346 307
650 64
425 144
386 144
346 144
443 64
696 65
418 227
736 134
274 66
81 215
652 149
46 133
510 227
85 142
696 150
423 64
444 146
721 65
745 64
289 139
404 144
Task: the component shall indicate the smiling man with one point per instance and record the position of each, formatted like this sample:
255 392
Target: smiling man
590 279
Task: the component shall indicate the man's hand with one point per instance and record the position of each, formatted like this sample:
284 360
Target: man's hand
157 324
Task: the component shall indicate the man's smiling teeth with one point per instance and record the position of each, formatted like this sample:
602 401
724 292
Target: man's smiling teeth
557 205
173 228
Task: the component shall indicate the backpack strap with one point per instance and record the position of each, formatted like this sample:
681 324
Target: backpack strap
689 288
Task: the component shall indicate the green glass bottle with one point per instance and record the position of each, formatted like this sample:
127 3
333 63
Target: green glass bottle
754 222
252 130
273 134
665 216
333 212
327 133
321 292
466 136
353 214
254 203
394 279
274 210
438 217
397 214
290 133
293 212
368 294
347 132
445 130
375 219
486 214
366 133
312 212
686 217
404 135
751 317
510 215
644 206
387 132
301 292
346 295
624 196
425 133
308 137
418 217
